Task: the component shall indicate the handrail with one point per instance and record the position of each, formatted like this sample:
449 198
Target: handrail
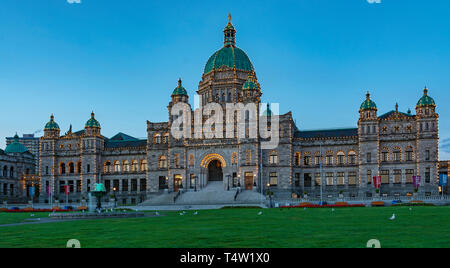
176 196
236 194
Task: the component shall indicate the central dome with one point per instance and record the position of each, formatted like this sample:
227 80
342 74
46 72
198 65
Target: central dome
232 57
229 56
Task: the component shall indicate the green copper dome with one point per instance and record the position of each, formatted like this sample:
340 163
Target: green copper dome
92 122
250 84
16 147
51 125
229 56
426 100
179 90
368 103
232 57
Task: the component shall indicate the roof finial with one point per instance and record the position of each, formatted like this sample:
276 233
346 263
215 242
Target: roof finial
52 117
179 82
368 95
229 17
92 114
425 91
396 107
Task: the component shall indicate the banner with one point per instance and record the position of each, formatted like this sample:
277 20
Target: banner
67 189
31 191
443 179
377 182
416 181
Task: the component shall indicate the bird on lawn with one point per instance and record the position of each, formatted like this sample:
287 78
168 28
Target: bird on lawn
410 209
260 213
332 210
32 215
393 217
157 213
196 213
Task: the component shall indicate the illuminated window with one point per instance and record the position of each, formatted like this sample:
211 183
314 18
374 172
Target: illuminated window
144 166
409 175
157 139
126 166
162 162
307 160
273 179
273 158
329 176
341 178
397 176
176 160
107 167
297 159
116 166
352 158
191 160
248 157
340 158
385 177
352 178
134 166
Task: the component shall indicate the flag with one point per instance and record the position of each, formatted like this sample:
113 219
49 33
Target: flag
67 189
377 182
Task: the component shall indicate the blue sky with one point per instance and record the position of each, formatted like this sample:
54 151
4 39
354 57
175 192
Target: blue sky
122 59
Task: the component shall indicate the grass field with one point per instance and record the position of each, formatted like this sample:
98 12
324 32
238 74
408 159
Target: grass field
243 228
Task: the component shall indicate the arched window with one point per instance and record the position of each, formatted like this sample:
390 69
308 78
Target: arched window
11 172
273 158
166 138
144 166
116 166
62 168
107 167
79 167
341 158
134 166
126 166
191 160
409 154
397 154
5 171
307 161
329 158
352 158
162 162
71 168
157 139
297 159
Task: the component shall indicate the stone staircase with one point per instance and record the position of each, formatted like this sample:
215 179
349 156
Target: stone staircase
213 194
161 199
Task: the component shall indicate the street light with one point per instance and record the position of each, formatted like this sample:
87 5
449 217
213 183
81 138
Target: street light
115 198
270 194
228 176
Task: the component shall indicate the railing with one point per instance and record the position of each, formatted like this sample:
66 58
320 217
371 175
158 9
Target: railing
237 193
366 199
176 196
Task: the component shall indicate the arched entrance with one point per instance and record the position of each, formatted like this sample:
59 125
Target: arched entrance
215 172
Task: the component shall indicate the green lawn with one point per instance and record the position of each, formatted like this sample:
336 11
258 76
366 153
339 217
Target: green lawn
346 227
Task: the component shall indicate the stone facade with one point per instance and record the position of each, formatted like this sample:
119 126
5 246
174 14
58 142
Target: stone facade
394 145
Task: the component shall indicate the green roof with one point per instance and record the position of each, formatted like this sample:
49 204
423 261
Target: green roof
51 125
368 103
229 56
250 84
426 100
179 90
92 122
16 147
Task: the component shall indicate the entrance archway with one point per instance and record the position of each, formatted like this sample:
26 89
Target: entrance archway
215 172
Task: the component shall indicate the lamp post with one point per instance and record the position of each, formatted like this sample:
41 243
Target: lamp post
269 194
228 177
195 183
115 198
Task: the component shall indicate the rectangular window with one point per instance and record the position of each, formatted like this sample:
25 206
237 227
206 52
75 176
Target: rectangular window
427 155
116 185
163 183
192 181
409 156
352 178
329 160
329 178
273 179
61 187
427 175
107 185
369 157
317 179
143 185
397 176
385 177
308 179
384 156
341 178
134 185
124 185
409 175
369 176
177 161
317 160
297 180
397 156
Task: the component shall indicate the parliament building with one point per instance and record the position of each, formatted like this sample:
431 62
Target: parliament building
394 145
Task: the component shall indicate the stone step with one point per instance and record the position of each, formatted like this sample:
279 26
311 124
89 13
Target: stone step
162 199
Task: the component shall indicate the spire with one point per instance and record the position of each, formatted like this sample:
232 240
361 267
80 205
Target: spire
179 82
425 91
229 33
367 95
396 107
92 115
